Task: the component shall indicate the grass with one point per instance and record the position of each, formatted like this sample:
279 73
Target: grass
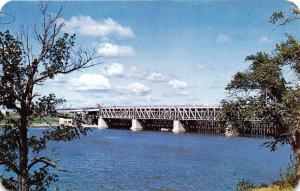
36 122
274 187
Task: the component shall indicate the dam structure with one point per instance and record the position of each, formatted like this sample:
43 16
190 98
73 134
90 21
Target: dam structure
178 119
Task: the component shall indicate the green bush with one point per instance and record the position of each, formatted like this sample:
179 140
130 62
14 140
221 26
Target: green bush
288 176
244 185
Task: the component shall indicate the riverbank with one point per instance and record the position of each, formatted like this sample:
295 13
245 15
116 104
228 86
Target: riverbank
273 187
38 125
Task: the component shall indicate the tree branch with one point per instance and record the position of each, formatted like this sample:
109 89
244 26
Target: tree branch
9 164
46 161
82 59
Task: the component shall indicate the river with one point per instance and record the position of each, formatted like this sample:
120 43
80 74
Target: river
152 160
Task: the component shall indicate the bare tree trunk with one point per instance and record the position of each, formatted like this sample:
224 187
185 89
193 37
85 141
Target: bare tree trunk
297 165
297 154
23 177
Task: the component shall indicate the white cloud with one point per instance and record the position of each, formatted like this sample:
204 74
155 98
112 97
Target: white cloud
85 25
132 72
90 82
222 38
155 76
263 39
177 84
146 99
137 88
136 73
114 69
114 50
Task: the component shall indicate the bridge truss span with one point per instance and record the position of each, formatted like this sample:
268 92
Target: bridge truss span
162 112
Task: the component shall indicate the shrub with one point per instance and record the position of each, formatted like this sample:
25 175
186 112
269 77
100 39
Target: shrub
244 185
288 176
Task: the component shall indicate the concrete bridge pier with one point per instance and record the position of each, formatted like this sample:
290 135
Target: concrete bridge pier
178 127
102 124
136 126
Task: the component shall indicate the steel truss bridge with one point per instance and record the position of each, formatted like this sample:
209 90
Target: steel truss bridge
152 112
183 117
162 112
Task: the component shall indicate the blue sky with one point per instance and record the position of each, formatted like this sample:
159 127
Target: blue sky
159 52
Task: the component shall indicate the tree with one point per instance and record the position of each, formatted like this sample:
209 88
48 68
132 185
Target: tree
269 90
21 71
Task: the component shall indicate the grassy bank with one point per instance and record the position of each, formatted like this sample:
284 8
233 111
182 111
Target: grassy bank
287 181
273 187
38 122
38 125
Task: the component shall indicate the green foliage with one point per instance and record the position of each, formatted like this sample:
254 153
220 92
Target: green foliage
244 185
276 16
288 176
264 92
280 18
289 54
13 70
20 71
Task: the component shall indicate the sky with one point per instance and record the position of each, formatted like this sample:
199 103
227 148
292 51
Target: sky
157 52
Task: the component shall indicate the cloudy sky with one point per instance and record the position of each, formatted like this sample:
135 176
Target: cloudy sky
159 52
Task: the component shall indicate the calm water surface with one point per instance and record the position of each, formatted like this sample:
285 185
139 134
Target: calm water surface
125 160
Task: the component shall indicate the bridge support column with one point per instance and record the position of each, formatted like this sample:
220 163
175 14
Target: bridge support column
136 126
102 124
178 127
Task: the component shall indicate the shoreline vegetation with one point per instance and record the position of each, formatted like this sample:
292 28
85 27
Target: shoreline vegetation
274 186
38 125
287 181
45 122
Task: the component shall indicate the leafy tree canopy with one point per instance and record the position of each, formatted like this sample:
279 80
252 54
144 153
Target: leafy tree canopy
21 70
268 90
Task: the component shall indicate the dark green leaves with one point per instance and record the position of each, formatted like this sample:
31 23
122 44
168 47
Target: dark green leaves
265 92
276 16
46 106
13 69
